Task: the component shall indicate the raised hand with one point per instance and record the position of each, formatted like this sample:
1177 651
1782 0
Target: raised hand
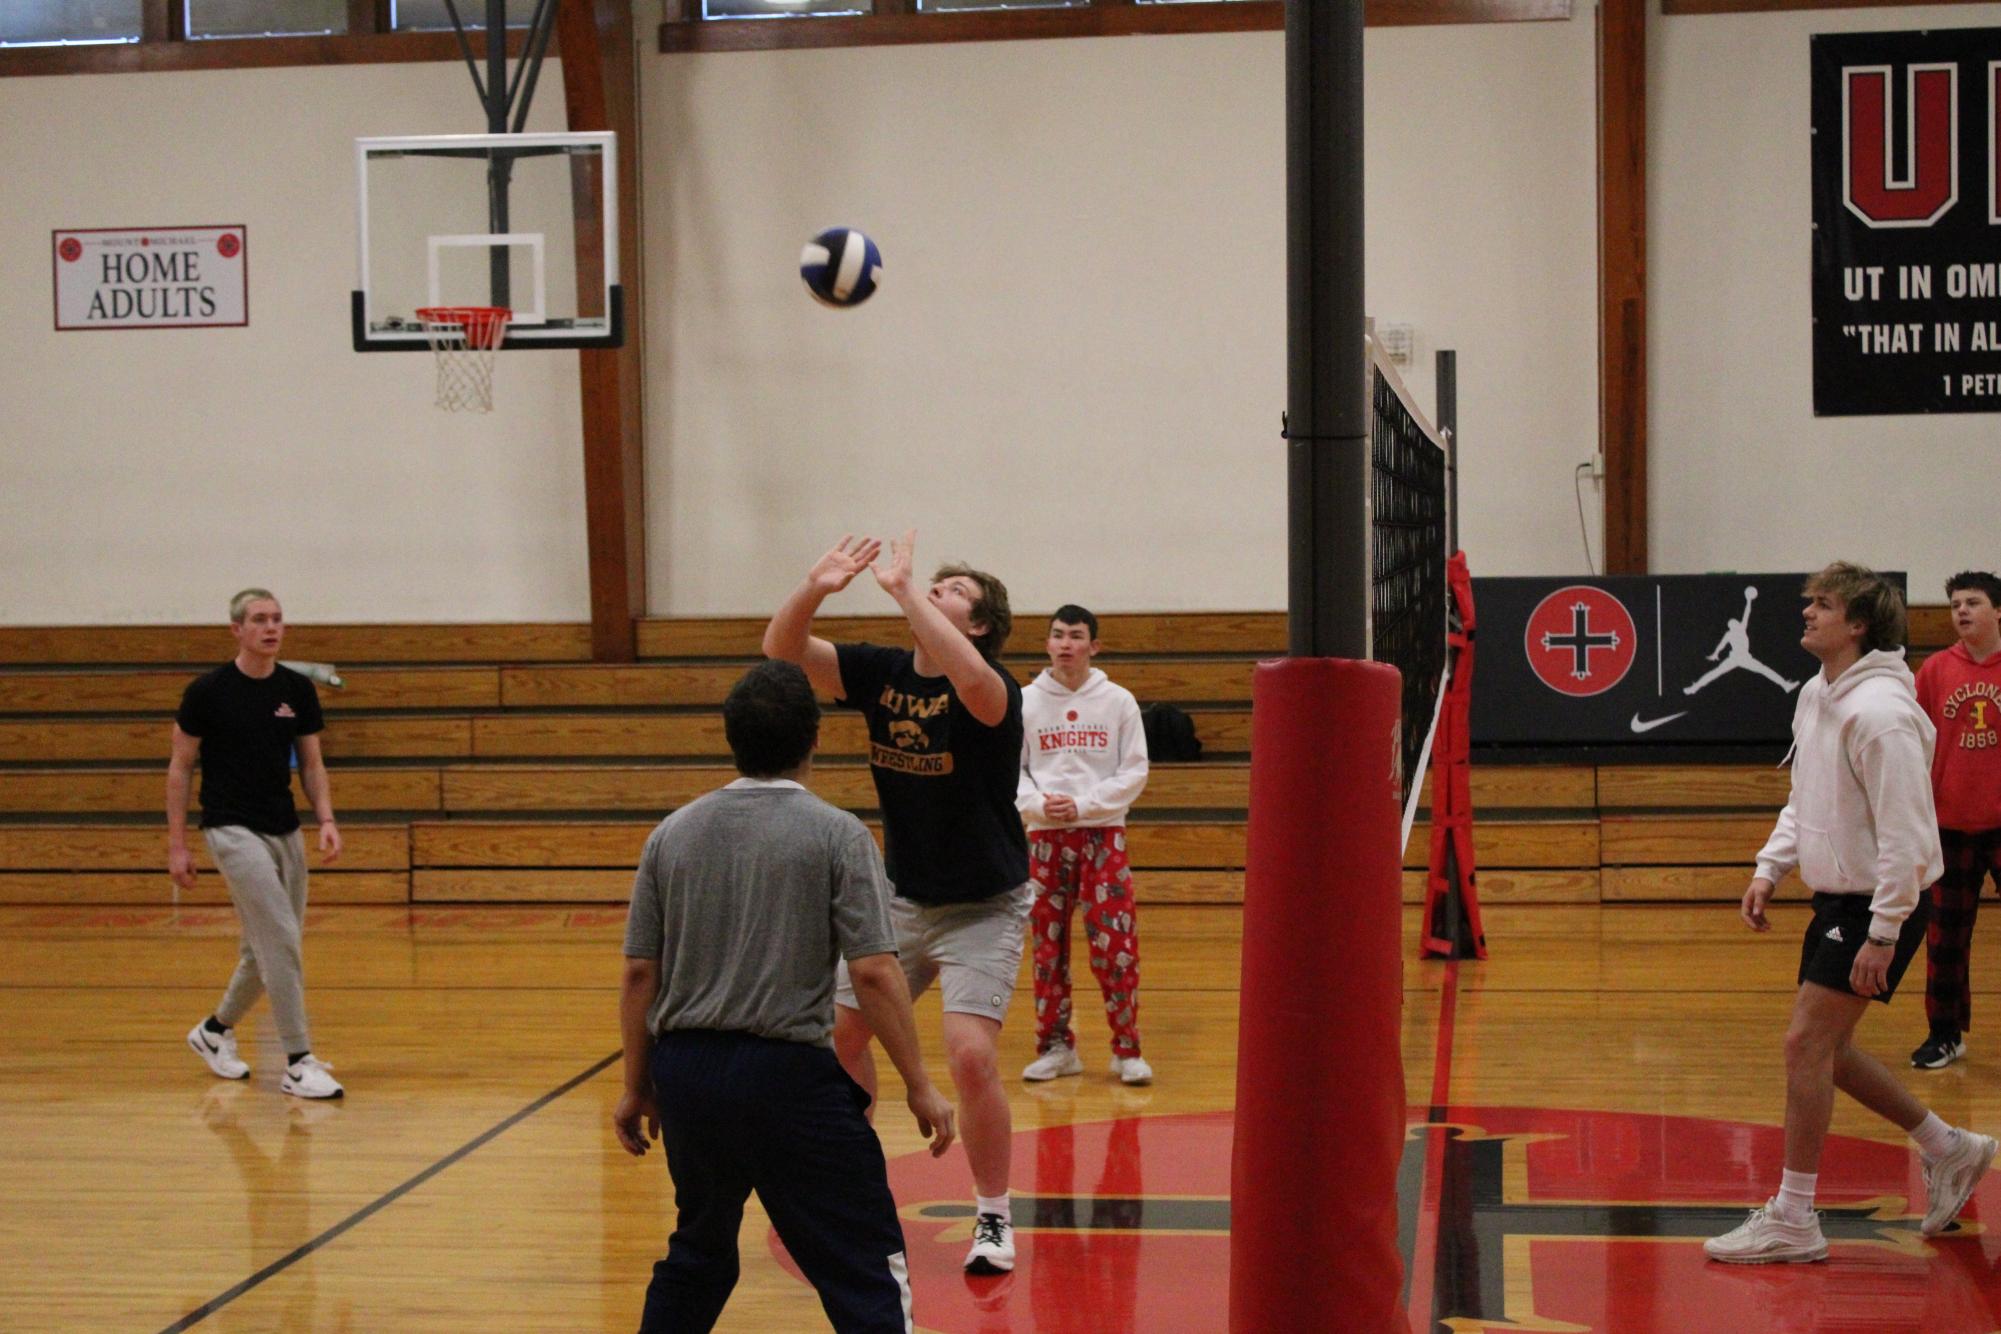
838 568
895 577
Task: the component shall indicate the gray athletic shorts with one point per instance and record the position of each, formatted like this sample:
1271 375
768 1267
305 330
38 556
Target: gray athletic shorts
972 949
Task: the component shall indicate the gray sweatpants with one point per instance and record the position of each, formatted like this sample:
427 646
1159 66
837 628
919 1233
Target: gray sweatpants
266 874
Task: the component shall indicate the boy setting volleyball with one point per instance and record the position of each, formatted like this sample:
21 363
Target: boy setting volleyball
1860 829
944 726
244 720
1083 764
1960 690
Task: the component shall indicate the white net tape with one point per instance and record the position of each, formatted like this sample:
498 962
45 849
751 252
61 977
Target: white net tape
465 341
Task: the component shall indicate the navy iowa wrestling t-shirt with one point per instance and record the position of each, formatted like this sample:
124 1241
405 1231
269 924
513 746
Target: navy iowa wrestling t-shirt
945 780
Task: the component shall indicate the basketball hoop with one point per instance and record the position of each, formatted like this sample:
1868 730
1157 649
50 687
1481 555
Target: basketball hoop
465 339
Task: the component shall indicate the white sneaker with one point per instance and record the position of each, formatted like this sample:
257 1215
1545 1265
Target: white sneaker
993 1246
1949 1182
1765 1238
218 1051
1054 1064
1132 1070
309 1077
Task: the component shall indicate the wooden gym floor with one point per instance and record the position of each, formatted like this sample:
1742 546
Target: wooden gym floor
1585 1106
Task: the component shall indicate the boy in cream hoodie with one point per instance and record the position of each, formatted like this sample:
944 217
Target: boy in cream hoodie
1083 763
1860 829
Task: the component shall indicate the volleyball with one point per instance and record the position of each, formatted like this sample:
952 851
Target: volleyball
840 266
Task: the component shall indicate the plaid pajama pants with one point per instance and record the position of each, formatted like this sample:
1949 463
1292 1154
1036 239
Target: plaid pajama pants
1088 864
1969 859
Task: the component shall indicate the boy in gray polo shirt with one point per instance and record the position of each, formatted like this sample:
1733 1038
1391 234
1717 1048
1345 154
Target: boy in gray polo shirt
744 901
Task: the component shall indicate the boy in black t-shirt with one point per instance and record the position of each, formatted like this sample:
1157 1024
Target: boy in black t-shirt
944 723
245 719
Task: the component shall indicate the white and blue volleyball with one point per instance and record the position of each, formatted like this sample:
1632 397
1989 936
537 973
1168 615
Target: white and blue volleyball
841 267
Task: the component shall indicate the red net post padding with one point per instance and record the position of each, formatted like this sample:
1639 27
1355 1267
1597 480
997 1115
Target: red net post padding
1320 1086
465 339
1451 895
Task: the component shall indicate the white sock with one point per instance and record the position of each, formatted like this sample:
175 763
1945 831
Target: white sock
1933 1136
997 1205
1795 1202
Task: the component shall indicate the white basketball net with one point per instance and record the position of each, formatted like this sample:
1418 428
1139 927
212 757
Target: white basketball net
465 339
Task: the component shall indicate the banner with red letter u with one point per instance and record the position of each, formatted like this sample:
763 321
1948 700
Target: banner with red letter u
1907 222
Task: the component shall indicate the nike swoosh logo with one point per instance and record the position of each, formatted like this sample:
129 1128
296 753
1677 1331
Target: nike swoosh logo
1650 724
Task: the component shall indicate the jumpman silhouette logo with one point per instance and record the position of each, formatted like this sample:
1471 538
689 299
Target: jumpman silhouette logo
1734 650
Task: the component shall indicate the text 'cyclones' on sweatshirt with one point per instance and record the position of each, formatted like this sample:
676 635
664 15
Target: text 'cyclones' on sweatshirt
1085 743
1860 819
1963 699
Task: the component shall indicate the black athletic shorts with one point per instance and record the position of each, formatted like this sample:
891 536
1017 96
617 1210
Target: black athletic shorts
1839 930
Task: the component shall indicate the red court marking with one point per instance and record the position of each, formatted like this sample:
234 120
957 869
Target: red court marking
1424 1248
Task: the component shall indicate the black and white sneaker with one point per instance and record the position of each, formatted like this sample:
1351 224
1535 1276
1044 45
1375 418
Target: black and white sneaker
1938 1051
218 1052
993 1246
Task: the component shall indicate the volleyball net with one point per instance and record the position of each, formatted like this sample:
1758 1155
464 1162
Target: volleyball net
1409 544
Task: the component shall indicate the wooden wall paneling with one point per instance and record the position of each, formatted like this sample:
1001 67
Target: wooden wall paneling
1684 840
1771 6
1622 280
154 889
894 26
346 646
1642 786
143 847
596 40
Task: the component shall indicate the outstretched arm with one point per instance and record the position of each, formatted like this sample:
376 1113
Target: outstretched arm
978 681
790 637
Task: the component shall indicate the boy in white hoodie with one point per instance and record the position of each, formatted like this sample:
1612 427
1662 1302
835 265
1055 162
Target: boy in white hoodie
1860 829
1083 764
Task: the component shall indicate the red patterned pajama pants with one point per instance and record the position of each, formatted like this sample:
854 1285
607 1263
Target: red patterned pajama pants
1969 859
1087 865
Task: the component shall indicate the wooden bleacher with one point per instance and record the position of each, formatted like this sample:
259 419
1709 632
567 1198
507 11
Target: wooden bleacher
493 764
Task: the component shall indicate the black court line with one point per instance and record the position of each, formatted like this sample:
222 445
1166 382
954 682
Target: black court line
216 1303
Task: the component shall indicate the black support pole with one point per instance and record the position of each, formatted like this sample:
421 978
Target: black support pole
500 167
1327 409
1447 363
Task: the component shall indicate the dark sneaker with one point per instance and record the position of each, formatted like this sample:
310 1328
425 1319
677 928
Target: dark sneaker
1938 1051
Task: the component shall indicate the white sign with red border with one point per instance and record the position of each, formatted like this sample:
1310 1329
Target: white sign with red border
151 277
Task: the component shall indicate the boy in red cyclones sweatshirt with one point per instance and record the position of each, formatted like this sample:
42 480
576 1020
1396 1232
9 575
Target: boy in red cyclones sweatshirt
1960 691
1083 764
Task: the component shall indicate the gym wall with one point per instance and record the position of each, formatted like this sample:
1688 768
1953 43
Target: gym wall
1743 475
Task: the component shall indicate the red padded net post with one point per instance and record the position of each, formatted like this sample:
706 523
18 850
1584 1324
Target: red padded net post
1320 1088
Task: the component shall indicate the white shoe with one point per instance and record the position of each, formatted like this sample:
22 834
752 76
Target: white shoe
1765 1238
1949 1182
218 1051
1054 1064
993 1246
310 1077
1132 1070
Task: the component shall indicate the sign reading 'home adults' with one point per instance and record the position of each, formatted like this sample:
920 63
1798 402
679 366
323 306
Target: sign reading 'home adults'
1907 222
151 278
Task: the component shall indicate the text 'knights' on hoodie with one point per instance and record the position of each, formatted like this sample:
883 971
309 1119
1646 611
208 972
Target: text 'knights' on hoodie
1860 818
1087 744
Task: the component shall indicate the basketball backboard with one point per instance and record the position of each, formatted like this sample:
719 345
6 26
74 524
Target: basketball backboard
524 221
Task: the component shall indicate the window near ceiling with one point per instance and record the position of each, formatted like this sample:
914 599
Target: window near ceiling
67 22
783 9
422 15
265 18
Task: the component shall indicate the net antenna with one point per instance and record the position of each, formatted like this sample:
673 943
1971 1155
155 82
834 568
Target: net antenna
1410 602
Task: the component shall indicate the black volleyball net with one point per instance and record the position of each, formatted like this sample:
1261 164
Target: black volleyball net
1408 547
